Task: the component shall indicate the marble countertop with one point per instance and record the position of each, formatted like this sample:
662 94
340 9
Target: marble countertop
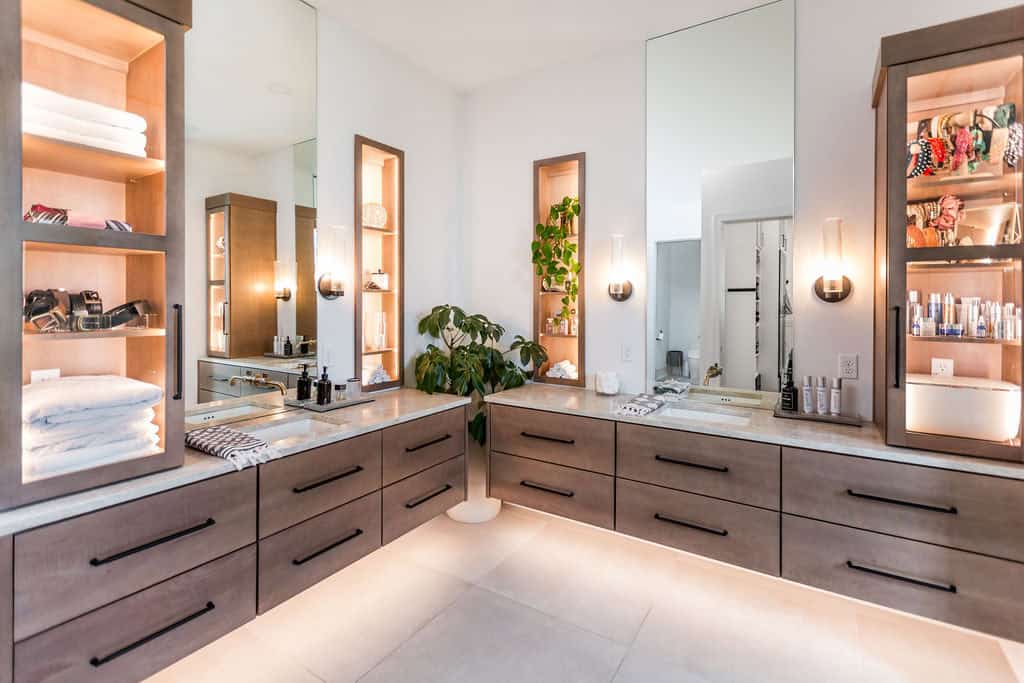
387 409
865 441
287 365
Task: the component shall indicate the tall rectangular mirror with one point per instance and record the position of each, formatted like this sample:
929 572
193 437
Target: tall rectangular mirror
720 99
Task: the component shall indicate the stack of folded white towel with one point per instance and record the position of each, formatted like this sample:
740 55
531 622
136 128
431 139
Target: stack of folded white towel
75 423
53 115
563 369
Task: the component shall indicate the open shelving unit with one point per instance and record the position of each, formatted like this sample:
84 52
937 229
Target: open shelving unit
553 179
380 232
118 55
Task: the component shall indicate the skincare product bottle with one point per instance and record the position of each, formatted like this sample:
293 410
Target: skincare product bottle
821 392
789 400
982 330
304 386
288 346
353 388
916 329
835 403
275 349
323 389
808 395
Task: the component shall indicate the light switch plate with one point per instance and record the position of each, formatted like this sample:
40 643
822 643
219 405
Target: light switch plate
849 365
942 367
38 376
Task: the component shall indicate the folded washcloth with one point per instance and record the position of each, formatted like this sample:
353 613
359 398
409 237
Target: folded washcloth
563 369
240 449
642 404
71 399
671 386
39 466
35 96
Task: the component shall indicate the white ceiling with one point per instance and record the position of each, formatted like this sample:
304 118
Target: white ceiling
250 70
469 43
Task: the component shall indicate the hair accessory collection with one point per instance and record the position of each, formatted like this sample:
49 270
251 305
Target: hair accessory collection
959 143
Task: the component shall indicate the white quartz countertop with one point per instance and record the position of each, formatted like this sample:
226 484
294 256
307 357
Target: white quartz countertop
286 365
388 408
865 441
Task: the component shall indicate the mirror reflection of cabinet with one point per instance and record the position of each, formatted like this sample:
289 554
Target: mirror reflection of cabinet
305 269
241 247
380 229
949 190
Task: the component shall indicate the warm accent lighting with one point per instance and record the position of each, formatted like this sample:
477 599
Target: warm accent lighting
284 280
619 287
832 285
330 261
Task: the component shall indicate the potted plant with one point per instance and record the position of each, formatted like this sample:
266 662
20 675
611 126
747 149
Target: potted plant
555 253
471 363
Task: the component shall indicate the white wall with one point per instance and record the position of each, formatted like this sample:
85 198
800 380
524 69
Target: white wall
364 89
594 107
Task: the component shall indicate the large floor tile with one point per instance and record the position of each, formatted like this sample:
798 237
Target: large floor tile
486 637
469 551
343 626
238 656
602 582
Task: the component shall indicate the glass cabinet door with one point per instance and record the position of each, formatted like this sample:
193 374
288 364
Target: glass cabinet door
956 281
218 260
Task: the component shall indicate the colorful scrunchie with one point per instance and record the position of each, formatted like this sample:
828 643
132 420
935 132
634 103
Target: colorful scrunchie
1013 144
961 145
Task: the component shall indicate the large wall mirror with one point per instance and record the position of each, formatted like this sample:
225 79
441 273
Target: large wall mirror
720 99
251 159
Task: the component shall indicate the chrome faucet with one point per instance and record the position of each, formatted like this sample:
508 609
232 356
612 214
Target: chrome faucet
258 381
714 370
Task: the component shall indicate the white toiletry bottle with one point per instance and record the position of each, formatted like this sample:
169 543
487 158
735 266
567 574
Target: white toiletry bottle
822 394
807 393
835 405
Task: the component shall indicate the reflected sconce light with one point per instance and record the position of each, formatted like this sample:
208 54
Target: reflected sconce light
330 261
832 286
284 280
619 287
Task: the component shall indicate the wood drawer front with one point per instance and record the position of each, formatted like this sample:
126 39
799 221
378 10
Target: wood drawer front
907 575
215 377
303 485
66 569
741 471
145 632
303 555
581 442
583 496
729 532
414 446
423 496
966 511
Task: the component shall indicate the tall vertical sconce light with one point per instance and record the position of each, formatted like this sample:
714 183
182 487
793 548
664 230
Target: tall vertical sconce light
330 262
619 287
832 286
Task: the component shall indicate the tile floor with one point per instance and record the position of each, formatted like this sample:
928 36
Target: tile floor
529 597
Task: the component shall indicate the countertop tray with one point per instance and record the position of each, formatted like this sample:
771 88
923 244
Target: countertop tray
814 417
334 405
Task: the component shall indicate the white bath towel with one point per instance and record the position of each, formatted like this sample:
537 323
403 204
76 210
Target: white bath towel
44 430
49 100
38 467
62 122
36 128
75 442
70 399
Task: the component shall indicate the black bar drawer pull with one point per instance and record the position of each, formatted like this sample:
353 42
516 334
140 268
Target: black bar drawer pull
355 533
691 525
528 435
429 443
415 502
327 480
547 489
685 463
949 510
100 661
935 585
179 351
97 561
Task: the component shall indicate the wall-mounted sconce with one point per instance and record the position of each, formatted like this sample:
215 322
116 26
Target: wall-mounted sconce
330 262
284 280
832 286
619 288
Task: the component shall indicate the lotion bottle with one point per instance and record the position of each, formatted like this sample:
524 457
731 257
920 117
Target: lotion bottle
304 386
837 396
323 389
807 394
822 396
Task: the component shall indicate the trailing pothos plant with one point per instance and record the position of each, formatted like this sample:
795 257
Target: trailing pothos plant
470 363
556 254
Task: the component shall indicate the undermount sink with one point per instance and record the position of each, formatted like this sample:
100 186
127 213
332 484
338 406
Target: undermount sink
292 432
737 420
223 414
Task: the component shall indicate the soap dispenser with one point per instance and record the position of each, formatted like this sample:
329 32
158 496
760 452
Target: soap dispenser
323 389
288 346
304 387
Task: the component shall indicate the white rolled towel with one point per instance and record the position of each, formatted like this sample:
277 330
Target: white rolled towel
33 116
34 128
83 397
35 96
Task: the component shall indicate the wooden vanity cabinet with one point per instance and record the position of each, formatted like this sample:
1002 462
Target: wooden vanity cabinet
241 247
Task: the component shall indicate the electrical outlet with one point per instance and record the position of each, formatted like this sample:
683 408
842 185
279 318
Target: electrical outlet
942 367
627 353
848 365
